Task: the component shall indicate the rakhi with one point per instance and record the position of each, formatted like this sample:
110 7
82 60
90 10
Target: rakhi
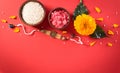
33 13
53 34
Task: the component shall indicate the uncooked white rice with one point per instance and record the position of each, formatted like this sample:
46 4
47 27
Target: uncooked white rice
33 13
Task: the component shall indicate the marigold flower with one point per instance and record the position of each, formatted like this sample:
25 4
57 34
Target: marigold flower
85 24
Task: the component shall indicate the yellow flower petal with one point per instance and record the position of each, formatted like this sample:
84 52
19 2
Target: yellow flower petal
92 43
115 25
110 32
13 17
85 24
64 32
98 10
16 30
109 44
4 21
100 19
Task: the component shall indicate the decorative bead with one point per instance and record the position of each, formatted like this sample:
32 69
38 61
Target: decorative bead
53 34
11 26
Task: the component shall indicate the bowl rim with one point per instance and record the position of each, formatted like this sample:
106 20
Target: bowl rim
21 8
58 8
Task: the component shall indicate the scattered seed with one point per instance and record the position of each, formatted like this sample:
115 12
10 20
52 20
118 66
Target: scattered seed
110 32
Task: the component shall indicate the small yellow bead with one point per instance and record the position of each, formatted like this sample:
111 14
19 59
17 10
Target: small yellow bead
98 10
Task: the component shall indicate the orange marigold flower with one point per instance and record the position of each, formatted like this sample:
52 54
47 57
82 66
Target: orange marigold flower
85 24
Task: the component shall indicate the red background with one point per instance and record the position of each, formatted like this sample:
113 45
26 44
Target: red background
42 54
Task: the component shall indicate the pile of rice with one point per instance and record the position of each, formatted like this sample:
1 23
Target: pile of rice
33 13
